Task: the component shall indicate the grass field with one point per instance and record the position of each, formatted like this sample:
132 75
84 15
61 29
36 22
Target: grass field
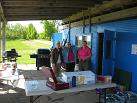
27 47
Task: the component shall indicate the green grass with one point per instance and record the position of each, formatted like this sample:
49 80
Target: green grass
26 47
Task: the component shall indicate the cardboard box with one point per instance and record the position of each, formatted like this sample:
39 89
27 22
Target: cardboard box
83 77
105 79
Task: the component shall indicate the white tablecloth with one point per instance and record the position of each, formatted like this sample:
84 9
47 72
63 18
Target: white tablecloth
38 87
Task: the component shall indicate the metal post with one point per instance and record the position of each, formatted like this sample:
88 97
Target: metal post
83 23
90 20
69 31
90 24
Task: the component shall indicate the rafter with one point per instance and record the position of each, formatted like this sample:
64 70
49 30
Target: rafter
106 7
48 3
2 13
19 18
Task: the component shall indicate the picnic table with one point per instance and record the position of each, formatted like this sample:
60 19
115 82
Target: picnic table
8 74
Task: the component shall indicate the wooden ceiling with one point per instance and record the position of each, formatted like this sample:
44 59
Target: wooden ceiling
17 10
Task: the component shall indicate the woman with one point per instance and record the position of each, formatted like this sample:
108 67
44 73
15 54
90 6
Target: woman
69 55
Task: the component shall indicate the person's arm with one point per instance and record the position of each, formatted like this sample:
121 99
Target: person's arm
52 56
89 54
78 54
61 54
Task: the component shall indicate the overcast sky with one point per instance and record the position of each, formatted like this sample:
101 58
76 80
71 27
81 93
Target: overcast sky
36 23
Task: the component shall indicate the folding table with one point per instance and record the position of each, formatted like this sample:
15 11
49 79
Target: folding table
38 88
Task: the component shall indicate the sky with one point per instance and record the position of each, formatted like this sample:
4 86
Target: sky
36 23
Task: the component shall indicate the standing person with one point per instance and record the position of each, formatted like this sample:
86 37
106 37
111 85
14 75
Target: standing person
69 55
84 56
57 59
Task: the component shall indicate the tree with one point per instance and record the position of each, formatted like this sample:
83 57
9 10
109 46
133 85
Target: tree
16 31
49 29
31 32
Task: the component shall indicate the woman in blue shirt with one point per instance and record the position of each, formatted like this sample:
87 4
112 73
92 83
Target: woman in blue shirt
69 56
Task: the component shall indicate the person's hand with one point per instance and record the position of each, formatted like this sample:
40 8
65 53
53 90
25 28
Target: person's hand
81 59
86 58
53 66
63 65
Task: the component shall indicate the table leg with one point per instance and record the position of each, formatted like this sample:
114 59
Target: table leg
37 64
37 67
31 99
3 59
104 95
99 98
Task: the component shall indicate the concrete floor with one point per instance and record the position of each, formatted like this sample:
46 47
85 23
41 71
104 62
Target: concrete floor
8 94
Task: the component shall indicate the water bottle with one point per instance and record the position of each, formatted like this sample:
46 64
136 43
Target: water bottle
76 68
74 81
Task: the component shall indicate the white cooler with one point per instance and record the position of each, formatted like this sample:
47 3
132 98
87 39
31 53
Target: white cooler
82 77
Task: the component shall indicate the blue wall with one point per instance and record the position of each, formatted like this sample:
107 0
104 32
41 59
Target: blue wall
124 59
56 37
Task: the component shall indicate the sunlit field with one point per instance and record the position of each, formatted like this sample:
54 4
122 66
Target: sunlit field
25 48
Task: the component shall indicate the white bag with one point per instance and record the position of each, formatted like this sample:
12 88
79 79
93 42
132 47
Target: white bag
76 68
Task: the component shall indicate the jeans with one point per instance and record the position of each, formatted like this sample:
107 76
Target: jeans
85 65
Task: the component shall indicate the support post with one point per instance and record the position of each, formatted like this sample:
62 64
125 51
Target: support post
69 31
0 42
83 23
3 38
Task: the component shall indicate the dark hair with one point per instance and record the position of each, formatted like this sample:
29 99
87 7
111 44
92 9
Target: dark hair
68 43
85 41
58 42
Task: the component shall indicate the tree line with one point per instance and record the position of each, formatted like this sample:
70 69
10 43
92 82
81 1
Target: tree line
19 31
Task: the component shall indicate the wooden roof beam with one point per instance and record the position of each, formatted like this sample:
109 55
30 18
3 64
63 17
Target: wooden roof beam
118 15
40 10
101 9
15 18
39 14
2 13
68 3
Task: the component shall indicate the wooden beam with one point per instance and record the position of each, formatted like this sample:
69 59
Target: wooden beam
2 13
0 42
20 18
127 13
41 8
20 10
33 14
54 1
39 14
40 18
123 14
114 5
48 3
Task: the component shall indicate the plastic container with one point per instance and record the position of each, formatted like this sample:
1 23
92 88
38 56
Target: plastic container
76 69
74 81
